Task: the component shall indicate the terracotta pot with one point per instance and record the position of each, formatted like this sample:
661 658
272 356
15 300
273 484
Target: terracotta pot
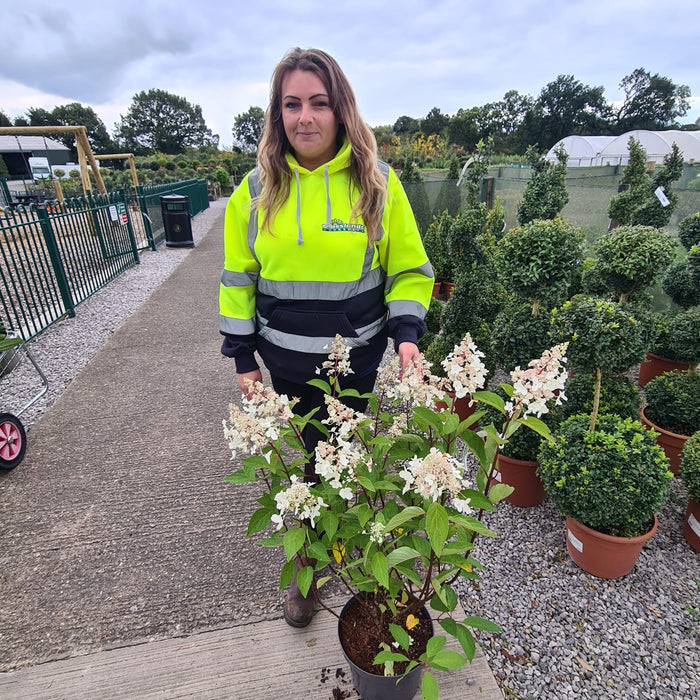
437 287
671 443
655 365
378 687
691 524
522 476
447 289
604 556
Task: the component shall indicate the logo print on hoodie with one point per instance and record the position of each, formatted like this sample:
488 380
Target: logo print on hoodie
338 225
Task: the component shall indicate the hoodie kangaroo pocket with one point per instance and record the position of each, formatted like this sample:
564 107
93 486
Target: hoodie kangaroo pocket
312 324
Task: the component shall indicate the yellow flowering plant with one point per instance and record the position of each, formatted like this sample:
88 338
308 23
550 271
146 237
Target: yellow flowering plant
396 511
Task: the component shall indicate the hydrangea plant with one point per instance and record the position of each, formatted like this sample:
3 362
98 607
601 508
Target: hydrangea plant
395 513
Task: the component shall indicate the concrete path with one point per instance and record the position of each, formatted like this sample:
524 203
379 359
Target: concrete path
124 568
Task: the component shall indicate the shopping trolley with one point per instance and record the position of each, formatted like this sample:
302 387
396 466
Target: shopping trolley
13 439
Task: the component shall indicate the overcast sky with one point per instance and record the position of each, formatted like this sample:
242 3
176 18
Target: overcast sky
402 58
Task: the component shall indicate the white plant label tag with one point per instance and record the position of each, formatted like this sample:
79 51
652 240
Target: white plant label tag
694 524
497 477
575 541
661 196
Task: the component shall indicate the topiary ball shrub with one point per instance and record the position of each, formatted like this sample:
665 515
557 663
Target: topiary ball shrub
680 285
612 479
673 402
537 261
618 395
601 335
689 230
633 257
690 466
519 335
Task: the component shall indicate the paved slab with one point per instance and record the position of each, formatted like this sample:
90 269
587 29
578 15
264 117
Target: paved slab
258 661
119 538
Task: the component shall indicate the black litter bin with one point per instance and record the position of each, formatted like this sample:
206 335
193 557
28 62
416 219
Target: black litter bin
176 221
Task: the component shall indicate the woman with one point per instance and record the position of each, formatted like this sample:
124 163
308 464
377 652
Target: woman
319 240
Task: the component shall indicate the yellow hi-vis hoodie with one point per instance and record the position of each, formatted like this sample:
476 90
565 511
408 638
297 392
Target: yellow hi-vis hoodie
287 292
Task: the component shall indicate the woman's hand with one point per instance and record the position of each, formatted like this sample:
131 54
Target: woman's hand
255 376
408 352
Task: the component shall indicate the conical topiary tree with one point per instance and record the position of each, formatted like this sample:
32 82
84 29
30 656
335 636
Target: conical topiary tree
545 195
412 182
449 198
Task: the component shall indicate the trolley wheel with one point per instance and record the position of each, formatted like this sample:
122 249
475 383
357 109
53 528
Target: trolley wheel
13 441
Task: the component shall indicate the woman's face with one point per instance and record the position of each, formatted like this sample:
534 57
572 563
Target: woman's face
308 119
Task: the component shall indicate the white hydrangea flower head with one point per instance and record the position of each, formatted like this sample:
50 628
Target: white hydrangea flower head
414 385
338 362
299 500
544 380
342 420
258 421
435 474
337 465
464 368
377 533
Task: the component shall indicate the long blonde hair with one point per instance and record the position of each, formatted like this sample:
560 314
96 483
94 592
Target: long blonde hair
275 174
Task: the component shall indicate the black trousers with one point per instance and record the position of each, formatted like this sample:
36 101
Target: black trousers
311 397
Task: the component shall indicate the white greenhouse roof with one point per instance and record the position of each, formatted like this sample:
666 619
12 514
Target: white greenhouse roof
614 150
582 150
17 144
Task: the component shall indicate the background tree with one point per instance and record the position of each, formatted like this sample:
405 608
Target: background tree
503 120
406 126
160 121
651 102
4 119
247 129
566 106
435 122
464 130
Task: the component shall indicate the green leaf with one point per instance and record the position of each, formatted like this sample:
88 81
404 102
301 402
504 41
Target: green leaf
500 491
380 570
435 645
259 520
318 551
288 571
472 524
305 578
462 634
383 656
479 623
444 601
437 526
400 635
324 386
447 660
329 522
366 483
293 541
476 445
401 554
405 515
429 687
537 425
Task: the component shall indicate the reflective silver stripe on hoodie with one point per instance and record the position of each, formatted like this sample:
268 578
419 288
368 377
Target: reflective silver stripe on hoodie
406 308
239 279
236 326
332 291
304 343
426 270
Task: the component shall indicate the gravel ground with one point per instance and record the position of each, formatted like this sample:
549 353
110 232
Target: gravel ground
569 635
566 634
63 349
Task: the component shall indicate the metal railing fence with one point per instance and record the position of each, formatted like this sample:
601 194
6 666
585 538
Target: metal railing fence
54 256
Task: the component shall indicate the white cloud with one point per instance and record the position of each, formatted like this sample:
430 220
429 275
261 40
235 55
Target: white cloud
401 57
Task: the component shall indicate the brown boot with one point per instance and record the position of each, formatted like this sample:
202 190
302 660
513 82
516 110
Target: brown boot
298 610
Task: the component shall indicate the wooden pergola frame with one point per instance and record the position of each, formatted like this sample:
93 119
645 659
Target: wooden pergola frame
123 156
82 145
